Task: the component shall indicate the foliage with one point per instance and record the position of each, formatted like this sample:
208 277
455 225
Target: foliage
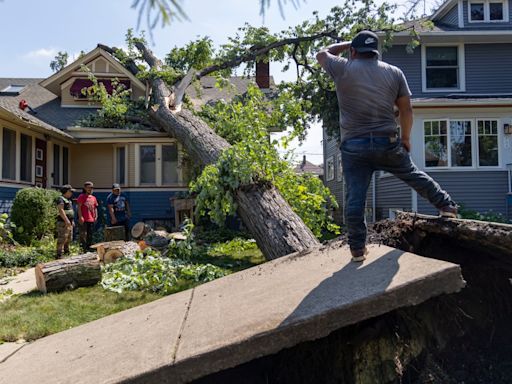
490 215
117 110
216 234
233 246
183 249
151 272
196 54
35 315
6 228
253 158
34 211
40 251
59 61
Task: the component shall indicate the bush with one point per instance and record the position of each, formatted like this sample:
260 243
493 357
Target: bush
21 256
34 211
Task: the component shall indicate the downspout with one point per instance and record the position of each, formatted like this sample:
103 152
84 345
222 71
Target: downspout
374 195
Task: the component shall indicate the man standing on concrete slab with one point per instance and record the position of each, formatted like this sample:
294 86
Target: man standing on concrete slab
367 90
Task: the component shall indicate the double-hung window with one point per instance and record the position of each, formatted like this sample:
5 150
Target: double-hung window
26 158
443 68
8 154
461 143
485 11
158 164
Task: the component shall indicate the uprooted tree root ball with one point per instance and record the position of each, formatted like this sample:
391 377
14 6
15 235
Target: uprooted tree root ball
457 338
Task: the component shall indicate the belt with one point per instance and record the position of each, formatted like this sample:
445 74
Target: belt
392 136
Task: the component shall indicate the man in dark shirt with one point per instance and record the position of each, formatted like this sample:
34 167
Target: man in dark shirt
65 220
119 209
368 89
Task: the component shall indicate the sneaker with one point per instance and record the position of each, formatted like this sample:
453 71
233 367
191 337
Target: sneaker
359 255
449 211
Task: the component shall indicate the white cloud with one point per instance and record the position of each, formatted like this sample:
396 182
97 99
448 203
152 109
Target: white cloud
41 53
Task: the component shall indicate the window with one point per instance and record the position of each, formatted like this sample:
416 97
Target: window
487 143
25 158
339 169
329 169
436 143
121 165
169 164
461 143
12 90
442 68
56 164
158 164
148 164
65 165
487 11
9 154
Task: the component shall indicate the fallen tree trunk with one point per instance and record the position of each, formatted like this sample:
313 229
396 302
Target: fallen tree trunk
70 273
410 230
277 229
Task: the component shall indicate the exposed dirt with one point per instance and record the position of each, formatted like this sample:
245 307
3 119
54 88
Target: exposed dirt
459 338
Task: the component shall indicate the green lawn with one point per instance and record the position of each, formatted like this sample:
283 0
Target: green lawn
34 315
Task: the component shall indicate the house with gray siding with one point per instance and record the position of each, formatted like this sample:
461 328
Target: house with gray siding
460 77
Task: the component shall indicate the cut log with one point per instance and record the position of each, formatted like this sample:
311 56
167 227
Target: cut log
139 230
71 273
112 255
277 229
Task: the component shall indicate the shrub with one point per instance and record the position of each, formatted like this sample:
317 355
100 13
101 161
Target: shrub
34 211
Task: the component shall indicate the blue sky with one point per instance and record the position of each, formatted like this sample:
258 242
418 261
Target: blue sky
33 31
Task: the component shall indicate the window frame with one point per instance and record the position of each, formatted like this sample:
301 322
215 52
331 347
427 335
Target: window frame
60 181
15 154
475 160
114 176
31 159
329 177
460 64
158 164
487 11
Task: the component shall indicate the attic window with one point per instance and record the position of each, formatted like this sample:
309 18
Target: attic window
12 90
487 11
79 84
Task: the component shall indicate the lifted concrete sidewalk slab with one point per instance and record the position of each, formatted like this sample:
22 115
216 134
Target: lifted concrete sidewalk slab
235 319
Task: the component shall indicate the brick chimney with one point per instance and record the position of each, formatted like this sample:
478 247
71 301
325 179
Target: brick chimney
263 74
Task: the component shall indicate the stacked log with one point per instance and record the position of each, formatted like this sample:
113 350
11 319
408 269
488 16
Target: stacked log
110 251
70 273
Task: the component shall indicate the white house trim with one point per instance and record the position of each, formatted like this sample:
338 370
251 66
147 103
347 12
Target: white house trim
461 65
460 13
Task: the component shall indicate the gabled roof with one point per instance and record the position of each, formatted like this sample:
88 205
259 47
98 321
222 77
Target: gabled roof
443 8
53 82
307 167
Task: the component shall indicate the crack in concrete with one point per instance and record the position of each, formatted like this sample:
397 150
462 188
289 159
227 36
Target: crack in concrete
12 353
182 327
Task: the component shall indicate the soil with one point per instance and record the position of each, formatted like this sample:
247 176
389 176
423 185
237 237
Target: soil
458 338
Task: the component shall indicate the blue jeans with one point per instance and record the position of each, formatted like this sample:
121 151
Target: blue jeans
360 158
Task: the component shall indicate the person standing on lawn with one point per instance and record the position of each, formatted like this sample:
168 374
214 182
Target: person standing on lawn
367 90
65 220
119 209
87 215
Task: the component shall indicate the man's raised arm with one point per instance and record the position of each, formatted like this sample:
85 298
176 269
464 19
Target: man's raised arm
333 49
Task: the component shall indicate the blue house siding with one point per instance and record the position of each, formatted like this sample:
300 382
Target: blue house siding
480 77
6 197
391 193
144 205
486 26
479 191
331 148
451 17
409 63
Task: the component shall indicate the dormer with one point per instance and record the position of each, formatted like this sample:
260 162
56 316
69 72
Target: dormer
69 82
474 14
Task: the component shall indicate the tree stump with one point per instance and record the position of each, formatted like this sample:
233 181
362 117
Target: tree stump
114 233
71 273
110 251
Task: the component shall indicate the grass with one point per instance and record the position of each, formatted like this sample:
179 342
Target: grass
34 315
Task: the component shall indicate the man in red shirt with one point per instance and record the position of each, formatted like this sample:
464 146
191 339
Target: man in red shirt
87 215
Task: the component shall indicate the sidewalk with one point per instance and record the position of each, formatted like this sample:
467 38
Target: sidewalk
235 319
19 284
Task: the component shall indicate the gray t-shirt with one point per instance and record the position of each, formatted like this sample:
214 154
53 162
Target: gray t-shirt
366 90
